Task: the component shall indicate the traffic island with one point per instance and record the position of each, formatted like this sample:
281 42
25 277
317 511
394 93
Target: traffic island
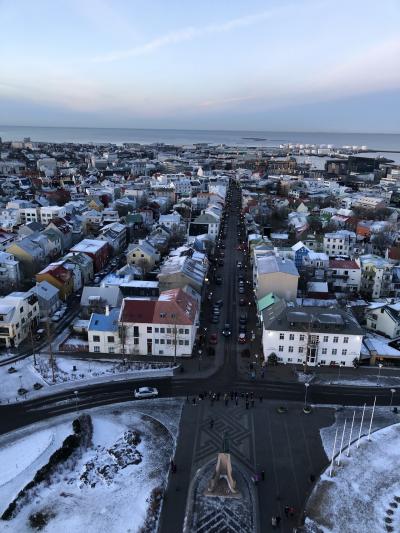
307 409
281 409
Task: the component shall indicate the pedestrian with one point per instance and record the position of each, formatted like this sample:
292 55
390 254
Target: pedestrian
261 398
278 520
194 400
236 401
274 521
312 478
252 402
262 475
247 395
247 404
251 395
187 398
218 396
231 395
211 423
226 401
286 510
292 511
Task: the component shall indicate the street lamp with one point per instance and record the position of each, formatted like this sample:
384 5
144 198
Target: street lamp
340 367
392 391
305 395
379 373
76 401
200 352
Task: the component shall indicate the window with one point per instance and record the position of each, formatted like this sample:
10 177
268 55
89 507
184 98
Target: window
302 337
323 362
343 363
345 340
111 349
335 340
180 331
290 349
162 341
289 359
280 349
180 342
135 340
291 337
110 339
149 329
96 348
334 351
169 341
326 338
344 352
186 332
324 351
157 341
96 338
301 349
169 330
186 343
281 336
156 330
160 352
162 330
299 360
136 331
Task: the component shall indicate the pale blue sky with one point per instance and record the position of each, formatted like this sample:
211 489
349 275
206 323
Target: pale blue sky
221 64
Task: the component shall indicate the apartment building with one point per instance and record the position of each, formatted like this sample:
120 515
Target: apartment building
19 314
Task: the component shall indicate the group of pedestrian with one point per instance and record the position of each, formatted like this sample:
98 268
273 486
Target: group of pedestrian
289 513
249 399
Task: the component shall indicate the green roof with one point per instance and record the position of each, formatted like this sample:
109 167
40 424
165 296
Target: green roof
266 301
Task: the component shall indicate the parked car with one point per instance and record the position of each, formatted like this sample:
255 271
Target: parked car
242 338
242 328
216 311
56 317
146 392
218 280
40 333
215 319
243 318
213 338
219 303
242 301
226 332
241 290
221 263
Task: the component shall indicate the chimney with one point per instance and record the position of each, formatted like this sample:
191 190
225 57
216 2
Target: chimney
107 312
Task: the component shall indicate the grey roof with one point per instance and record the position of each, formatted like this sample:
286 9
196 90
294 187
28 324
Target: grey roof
45 290
283 317
268 264
111 295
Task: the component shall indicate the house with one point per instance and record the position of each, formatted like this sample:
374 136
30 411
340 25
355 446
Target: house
275 274
103 332
179 271
171 221
85 264
142 253
96 299
29 254
48 298
208 222
344 275
59 276
384 319
10 274
376 276
166 326
63 229
116 236
97 250
19 316
311 335
341 242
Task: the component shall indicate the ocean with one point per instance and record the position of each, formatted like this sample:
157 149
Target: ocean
375 141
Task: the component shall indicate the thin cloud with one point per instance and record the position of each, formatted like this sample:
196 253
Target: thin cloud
185 34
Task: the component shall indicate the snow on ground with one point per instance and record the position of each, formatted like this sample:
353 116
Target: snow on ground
86 370
364 492
369 380
113 494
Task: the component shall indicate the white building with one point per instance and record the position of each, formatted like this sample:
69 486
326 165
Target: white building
311 335
10 274
376 276
19 314
344 275
51 211
103 332
340 242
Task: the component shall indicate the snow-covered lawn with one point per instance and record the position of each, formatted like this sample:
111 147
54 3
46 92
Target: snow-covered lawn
368 380
27 375
364 492
109 487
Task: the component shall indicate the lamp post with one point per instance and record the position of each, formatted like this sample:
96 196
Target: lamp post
200 352
379 373
340 367
306 385
76 401
392 391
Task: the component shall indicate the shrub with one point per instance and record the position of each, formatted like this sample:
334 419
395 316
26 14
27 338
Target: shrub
40 519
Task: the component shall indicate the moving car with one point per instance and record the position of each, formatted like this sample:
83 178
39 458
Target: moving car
215 319
219 303
218 280
56 317
146 392
226 332
242 328
242 301
243 319
214 338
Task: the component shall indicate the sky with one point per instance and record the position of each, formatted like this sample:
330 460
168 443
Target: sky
300 65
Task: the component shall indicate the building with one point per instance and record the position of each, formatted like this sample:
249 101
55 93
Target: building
59 276
48 298
142 254
10 274
344 275
19 316
166 326
384 319
376 276
341 242
179 271
97 250
311 335
116 236
275 274
103 332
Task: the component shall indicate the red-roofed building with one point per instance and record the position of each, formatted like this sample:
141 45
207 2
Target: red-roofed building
344 275
58 276
151 327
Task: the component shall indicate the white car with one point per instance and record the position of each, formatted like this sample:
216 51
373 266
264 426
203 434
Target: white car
56 317
146 392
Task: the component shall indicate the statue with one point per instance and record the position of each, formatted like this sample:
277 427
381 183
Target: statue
222 483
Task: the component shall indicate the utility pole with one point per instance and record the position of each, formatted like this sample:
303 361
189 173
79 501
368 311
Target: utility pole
50 350
32 344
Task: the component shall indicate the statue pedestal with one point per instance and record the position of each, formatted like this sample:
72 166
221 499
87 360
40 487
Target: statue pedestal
222 483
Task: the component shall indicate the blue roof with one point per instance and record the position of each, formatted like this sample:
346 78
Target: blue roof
100 322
